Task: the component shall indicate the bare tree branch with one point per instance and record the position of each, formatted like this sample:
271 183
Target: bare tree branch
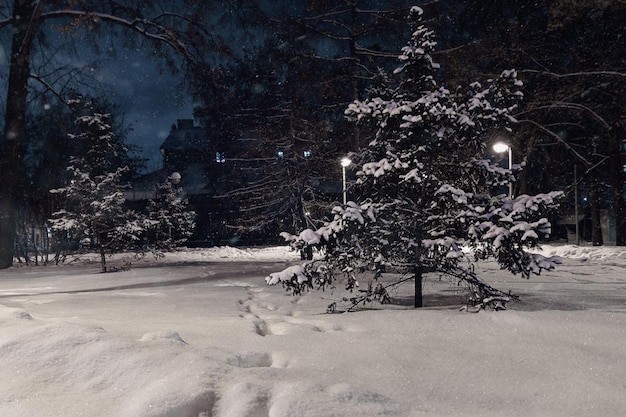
148 28
576 74
570 105
48 87
559 139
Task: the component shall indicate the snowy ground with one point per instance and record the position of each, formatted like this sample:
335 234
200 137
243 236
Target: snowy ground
199 334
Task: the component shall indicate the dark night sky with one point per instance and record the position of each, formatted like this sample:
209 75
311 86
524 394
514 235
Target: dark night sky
151 99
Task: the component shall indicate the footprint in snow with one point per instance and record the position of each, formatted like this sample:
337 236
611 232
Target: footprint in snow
163 336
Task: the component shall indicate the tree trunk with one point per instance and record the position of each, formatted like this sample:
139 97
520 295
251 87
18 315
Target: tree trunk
527 143
354 70
596 227
419 301
616 173
26 21
103 259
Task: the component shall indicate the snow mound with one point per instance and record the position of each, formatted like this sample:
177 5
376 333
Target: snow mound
586 253
243 399
302 399
124 378
227 253
287 274
162 336
13 313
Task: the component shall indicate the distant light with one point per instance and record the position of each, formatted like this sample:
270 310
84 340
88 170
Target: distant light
307 153
500 147
280 154
345 162
220 157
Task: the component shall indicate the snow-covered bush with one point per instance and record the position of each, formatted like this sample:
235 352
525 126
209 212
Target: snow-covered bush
169 221
427 189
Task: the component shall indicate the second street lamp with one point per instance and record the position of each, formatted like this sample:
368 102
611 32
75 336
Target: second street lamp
345 162
501 147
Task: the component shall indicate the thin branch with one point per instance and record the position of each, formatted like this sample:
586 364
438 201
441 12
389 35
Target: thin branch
558 138
371 52
585 108
570 105
147 28
576 74
453 49
48 87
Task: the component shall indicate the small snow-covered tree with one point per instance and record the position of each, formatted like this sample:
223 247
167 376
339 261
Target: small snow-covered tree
426 188
170 223
94 197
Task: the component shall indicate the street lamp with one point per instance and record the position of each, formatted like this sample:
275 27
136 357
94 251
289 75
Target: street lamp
345 162
501 147
175 178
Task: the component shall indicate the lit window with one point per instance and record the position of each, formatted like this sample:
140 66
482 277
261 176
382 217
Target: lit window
307 153
220 157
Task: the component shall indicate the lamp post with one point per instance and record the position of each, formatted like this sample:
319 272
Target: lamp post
501 147
345 162
174 179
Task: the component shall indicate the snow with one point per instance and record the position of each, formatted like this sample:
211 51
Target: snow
199 333
294 271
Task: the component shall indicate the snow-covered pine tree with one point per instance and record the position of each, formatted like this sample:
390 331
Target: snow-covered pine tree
95 194
170 223
425 189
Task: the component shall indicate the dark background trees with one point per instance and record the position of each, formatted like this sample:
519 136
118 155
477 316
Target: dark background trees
282 73
277 109
571 57
569 54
